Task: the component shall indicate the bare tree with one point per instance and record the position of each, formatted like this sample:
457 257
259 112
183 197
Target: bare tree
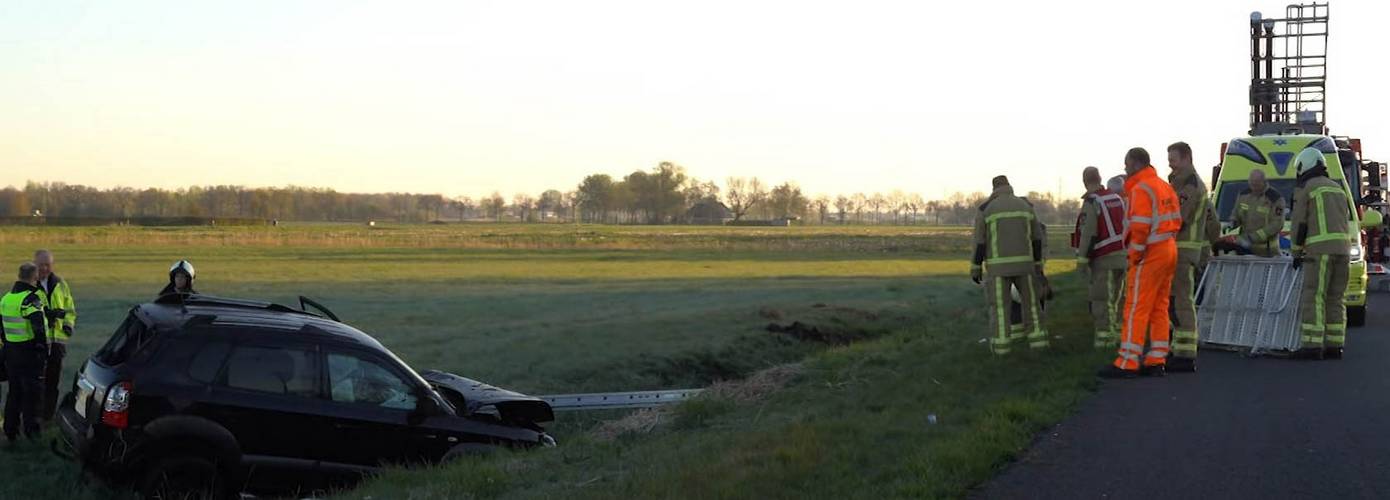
822 204
743 194
495 205
858 203
876 202
842 205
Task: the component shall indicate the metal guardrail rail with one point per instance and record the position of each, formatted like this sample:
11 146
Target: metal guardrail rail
618 400
1247 302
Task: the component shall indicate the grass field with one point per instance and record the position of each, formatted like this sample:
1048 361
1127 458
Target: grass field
550 308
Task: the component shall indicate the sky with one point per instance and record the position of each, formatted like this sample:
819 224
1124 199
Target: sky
471 97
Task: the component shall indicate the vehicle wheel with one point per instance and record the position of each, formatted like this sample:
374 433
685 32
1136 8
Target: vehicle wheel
1356 316
183 477
469 450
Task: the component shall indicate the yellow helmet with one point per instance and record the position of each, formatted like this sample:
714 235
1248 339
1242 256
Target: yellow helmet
1308 159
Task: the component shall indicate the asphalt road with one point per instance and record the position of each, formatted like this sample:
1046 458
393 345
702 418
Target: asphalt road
1241 427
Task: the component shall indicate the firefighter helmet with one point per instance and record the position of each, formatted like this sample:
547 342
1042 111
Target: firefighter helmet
1307 160
183 265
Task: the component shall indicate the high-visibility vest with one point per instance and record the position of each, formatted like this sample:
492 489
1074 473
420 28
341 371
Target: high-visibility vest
1110 225
59 298
1155 214
13 311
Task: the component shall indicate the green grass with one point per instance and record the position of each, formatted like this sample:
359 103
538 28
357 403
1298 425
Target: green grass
542 309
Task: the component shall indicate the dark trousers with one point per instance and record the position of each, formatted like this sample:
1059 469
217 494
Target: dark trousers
24 365
52 376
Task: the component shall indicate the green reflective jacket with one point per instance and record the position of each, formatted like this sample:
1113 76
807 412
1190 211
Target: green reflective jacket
1321 218
1199 227
1260 217
16 310
59 298
1008 236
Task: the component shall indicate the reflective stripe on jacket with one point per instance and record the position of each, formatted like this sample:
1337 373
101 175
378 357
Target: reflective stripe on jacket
1008 236
17 308
1154 215
1260 217
1100 228
1321 218
1196 210
59 298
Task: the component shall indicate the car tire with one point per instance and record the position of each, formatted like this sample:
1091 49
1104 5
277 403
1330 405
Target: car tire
469 450
183 477
1356 316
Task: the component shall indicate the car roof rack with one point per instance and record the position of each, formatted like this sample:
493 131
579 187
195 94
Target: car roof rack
186 299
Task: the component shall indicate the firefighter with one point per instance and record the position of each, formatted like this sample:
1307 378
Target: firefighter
61 311
180 279
1154 221
26 346
1199 231
1321 247
1259 216
1099 240
1008 253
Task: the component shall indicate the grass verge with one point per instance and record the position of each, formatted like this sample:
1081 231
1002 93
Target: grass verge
922 412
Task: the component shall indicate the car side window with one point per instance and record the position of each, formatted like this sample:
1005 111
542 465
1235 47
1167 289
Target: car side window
355 379
284 371
205 365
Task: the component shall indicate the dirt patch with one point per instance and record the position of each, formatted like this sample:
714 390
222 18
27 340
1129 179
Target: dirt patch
812 333
638 422
756 386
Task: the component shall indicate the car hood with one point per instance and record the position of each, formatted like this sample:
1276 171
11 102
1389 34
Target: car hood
478 397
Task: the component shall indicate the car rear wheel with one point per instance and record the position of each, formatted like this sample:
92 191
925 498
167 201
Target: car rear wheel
183 477
1356 316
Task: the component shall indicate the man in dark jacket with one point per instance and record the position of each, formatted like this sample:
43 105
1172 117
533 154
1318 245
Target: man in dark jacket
26 347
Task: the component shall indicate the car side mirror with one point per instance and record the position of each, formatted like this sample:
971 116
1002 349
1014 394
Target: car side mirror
425 407
1372 219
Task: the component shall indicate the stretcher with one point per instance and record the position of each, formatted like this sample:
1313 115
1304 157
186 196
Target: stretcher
1250 304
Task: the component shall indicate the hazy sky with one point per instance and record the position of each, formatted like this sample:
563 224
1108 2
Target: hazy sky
467 97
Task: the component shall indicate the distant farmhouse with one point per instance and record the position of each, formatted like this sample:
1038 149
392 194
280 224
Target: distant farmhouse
709 212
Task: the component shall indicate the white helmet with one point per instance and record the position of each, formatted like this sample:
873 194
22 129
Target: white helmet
1308 159
184 266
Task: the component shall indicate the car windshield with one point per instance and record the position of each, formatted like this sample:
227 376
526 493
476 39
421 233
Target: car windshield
1226 199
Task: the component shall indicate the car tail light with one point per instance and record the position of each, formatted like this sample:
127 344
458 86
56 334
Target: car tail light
115 412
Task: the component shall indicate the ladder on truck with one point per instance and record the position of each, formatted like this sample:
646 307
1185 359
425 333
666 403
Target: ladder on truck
1249 303
1288 71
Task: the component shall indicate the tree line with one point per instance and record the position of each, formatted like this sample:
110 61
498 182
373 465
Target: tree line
663 195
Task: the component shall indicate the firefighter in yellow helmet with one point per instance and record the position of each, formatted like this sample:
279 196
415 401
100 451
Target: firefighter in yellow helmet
1322 242
1008 253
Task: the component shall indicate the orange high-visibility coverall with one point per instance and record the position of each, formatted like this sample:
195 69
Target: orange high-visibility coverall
1155 217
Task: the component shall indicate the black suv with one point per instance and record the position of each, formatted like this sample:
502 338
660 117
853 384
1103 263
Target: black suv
209 396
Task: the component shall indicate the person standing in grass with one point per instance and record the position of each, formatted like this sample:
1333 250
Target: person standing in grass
1008 254
26 348
61 311
180 279
1099 240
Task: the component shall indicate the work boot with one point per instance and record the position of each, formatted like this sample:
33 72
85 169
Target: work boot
1153 371
1332 353
1312 353
1176 364
1110 371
